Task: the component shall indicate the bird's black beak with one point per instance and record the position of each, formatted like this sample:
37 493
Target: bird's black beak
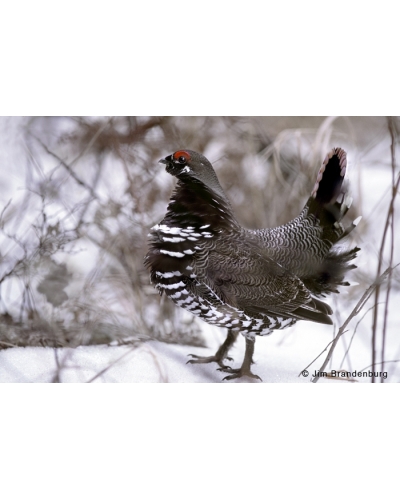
166 160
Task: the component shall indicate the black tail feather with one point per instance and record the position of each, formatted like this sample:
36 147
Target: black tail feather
331 273
328 186
330 177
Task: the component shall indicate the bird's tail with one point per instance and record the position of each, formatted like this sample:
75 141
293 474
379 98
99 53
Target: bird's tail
330 177
328 203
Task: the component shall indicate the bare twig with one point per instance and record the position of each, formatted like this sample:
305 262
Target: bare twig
389 222
315 359
56 377
354 313
393 156
104 370
4 209
382 363
12 271
92 140
354 332
68 169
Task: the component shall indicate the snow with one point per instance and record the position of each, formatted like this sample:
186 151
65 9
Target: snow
279 357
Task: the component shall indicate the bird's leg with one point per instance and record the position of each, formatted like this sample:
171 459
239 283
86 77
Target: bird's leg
244 370
220 355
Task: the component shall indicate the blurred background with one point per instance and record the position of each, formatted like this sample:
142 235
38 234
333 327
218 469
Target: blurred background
79 194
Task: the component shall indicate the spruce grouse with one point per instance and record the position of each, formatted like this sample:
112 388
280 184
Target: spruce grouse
249 281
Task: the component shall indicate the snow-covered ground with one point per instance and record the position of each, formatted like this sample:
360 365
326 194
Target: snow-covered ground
279 357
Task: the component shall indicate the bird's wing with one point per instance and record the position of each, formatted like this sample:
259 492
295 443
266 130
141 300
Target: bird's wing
241 273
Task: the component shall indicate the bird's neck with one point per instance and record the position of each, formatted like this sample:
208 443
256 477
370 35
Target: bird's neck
195 204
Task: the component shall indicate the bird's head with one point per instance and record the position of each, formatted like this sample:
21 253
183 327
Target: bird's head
188 165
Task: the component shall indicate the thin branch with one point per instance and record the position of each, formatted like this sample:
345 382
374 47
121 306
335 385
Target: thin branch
315 359
92 140
389 219
393 156
382 363
356 310
354 332
4 209
68 169
104 370
10 273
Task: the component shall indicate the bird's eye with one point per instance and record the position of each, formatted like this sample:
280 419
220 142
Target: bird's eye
181 156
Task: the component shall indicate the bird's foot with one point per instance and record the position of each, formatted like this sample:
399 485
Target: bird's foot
209 359
238 373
